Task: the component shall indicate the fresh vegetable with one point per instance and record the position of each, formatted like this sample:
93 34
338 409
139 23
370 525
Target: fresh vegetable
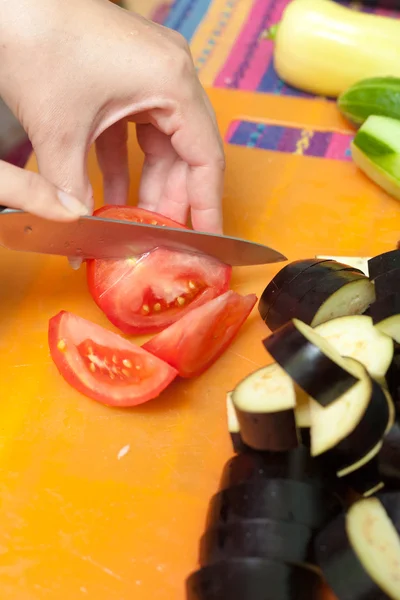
386 315
253 579
104 366
393 380
387 284
383 263
324 48
347 430
234 427
264 403
376 151
373 96
315 292
356 337
301 352
147 293
194 343
359 552
303 502
287 541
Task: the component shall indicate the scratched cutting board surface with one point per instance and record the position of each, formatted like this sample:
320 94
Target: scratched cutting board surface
110 504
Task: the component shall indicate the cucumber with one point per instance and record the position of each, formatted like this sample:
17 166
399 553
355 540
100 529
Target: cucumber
375 96
376 151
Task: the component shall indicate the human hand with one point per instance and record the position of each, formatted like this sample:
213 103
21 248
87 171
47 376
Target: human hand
74 73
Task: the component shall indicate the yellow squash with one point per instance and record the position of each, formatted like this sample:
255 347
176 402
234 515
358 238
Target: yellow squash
323 48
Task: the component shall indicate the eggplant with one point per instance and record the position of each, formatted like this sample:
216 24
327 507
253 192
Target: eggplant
356 337
234 428
387 284
393 379
359 552
347 431
311 362
279 499
265 404
289 542
381 264
366 480
253 579
386 316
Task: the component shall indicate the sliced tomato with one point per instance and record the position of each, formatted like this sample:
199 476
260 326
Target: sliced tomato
193 343
148 293
103 365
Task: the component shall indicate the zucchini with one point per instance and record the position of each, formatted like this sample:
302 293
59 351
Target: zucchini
374 96
359 553
376 151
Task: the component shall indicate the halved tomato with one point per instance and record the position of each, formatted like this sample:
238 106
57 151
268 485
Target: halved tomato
103 365
148 293
196 341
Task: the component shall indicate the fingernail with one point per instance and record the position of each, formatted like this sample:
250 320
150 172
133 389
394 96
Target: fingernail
75 263
72 204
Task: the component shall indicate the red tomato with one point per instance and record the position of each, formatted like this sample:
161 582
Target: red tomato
148 293
103 365
194 342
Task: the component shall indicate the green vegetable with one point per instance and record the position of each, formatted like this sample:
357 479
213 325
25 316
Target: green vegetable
376 151
377 96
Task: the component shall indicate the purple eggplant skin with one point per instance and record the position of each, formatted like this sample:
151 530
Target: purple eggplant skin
389 459
385 308
378 265
253 579
289 542
393 379
238 445
276 432
278 499
298 274
387 284
301 359
340 566
391 503
304 296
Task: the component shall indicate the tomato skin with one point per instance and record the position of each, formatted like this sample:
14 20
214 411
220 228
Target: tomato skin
69 335
149 293
195 342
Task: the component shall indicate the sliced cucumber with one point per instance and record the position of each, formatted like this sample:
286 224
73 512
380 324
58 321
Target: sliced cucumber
373 96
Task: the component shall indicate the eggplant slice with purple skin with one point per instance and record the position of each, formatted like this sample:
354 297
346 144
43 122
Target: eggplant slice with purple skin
383 263
311 361
264 404
303 502
322 291
289 542
238 444
253 579
393 379
386 316
359 552
387 284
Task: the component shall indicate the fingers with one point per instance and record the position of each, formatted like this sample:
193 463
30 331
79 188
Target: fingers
112 155
32 193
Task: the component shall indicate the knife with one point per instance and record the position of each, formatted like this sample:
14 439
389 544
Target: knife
96 237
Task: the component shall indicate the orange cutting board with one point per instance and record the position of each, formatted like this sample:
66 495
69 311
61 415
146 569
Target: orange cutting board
109 504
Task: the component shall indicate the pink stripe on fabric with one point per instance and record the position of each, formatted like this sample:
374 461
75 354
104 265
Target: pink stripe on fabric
338 148
245 37
231 130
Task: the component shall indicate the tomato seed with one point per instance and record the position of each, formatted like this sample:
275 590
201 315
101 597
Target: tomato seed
192 285
92 367
61 345
126 372
127 363
145 308
157 307
115 360
180 300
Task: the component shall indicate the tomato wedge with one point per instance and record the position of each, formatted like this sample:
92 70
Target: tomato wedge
196 341
148 293
103 365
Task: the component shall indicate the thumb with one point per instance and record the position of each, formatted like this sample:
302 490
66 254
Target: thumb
32 193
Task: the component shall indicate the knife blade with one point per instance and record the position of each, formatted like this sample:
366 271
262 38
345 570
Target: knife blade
96 237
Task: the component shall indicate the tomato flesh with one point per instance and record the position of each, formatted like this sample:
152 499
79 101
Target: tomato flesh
103 365
148 293
195 342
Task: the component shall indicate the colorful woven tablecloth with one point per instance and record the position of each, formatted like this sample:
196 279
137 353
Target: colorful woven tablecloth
227 50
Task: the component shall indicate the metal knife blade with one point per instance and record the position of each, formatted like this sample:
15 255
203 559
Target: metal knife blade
95 237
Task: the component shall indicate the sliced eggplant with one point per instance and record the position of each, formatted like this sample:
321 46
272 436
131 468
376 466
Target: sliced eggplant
265 404
252 579
349 429
233 426
387 284
297 465
366 480
318 299
359 553
356 262
289 542
393 379
297 270
311 362
356 337
383 263
386 316
278 499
